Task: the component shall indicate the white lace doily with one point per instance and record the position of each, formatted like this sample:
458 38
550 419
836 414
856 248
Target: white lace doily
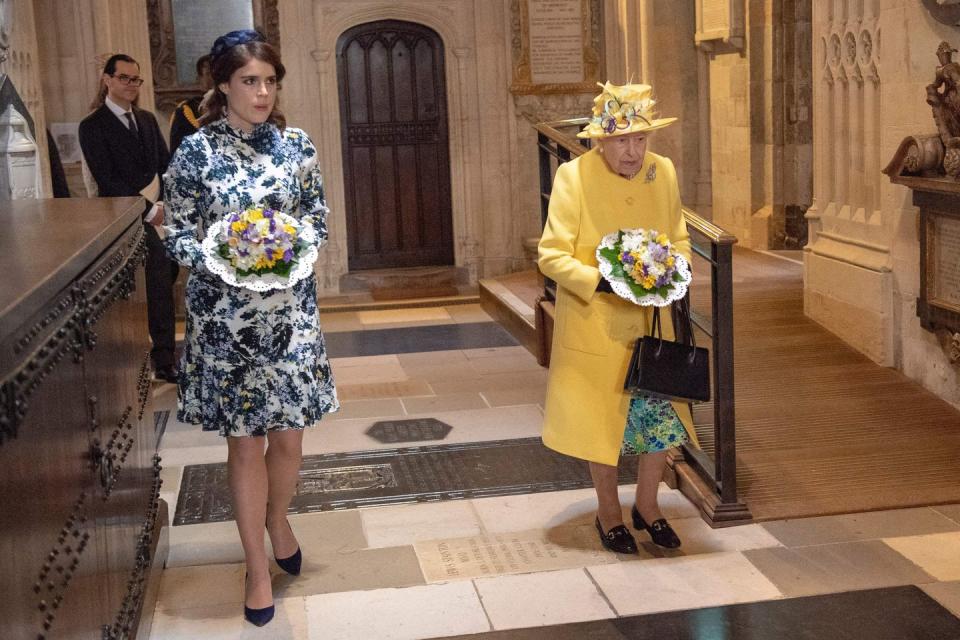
302 267
622 289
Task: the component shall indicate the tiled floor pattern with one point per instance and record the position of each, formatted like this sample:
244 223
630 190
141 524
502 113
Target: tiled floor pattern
521 562
896 613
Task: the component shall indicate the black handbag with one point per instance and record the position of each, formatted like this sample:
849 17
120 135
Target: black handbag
670 370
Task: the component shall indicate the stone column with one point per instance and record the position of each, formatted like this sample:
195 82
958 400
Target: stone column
22 65
848 284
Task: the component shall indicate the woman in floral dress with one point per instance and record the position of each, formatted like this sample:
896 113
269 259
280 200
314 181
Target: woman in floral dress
254 367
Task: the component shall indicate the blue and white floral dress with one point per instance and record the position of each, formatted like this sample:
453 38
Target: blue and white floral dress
253 361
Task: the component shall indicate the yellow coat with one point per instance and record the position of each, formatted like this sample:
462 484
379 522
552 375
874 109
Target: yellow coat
594 334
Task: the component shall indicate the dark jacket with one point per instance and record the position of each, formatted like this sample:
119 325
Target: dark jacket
121 163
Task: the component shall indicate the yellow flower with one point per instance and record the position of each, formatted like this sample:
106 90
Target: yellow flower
670 261
289 228
255 214
278 254
648 282
239 226
663 240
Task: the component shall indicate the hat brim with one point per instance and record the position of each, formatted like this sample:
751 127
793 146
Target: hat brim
594 131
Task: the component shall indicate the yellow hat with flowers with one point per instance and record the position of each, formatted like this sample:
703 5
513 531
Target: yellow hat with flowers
623 109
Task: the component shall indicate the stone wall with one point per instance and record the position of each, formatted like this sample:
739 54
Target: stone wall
760 125
861 274
652 41
494 178
73 41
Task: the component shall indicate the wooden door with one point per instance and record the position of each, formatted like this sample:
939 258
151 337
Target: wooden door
395 154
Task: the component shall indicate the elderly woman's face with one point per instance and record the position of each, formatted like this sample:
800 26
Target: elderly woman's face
624 154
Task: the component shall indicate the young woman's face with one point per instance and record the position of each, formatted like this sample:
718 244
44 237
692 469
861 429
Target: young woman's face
251 94
624 154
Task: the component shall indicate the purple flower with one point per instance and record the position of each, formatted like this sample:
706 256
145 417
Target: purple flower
627 258
288 255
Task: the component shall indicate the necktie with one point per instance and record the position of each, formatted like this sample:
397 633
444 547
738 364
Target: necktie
131 123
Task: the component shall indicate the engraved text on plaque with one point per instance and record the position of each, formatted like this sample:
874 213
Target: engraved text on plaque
556 41
946 262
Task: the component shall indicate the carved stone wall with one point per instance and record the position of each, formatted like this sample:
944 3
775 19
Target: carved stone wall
23 67
489 217
872 61
848 264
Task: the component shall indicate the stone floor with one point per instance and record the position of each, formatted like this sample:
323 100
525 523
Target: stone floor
530 565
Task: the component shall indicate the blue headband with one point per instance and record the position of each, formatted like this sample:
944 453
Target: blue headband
232 39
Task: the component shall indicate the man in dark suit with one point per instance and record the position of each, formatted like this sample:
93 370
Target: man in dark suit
126 153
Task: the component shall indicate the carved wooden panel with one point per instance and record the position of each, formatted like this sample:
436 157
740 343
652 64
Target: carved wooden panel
77 463
168 90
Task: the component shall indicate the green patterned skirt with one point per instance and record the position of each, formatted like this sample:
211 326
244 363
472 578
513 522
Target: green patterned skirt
652 426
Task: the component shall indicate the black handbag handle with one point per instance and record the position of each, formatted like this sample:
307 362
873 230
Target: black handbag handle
683 313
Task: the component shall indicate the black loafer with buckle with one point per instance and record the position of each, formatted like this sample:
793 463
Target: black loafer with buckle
618 539
660 531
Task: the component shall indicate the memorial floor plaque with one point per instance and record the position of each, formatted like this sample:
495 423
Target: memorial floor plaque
414 430
396 476
441 337
503 553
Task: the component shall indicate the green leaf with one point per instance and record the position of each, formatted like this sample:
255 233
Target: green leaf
610 255
616 270
283 268
663 292
677 277
636 288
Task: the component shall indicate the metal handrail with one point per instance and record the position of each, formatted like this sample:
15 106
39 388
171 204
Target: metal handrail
720 473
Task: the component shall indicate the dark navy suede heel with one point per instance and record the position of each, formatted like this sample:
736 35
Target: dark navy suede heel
258 617
292 564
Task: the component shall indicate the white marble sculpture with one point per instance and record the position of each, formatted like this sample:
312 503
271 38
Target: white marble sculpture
19 169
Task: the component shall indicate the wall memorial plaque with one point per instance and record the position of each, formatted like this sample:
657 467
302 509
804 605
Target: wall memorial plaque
944 262
197 24
719 21
556 46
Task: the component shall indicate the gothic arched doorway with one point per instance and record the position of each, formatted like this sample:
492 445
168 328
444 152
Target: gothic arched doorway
396 164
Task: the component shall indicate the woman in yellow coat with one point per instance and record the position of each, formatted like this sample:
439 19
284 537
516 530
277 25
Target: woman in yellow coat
616 185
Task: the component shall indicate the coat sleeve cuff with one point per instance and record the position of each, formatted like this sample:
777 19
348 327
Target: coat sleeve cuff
583 282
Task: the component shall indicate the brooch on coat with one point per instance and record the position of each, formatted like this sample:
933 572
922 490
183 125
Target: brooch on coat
651 173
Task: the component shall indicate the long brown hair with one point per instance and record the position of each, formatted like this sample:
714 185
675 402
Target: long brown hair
222 68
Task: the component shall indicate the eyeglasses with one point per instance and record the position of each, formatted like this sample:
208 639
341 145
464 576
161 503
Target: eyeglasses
125 79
